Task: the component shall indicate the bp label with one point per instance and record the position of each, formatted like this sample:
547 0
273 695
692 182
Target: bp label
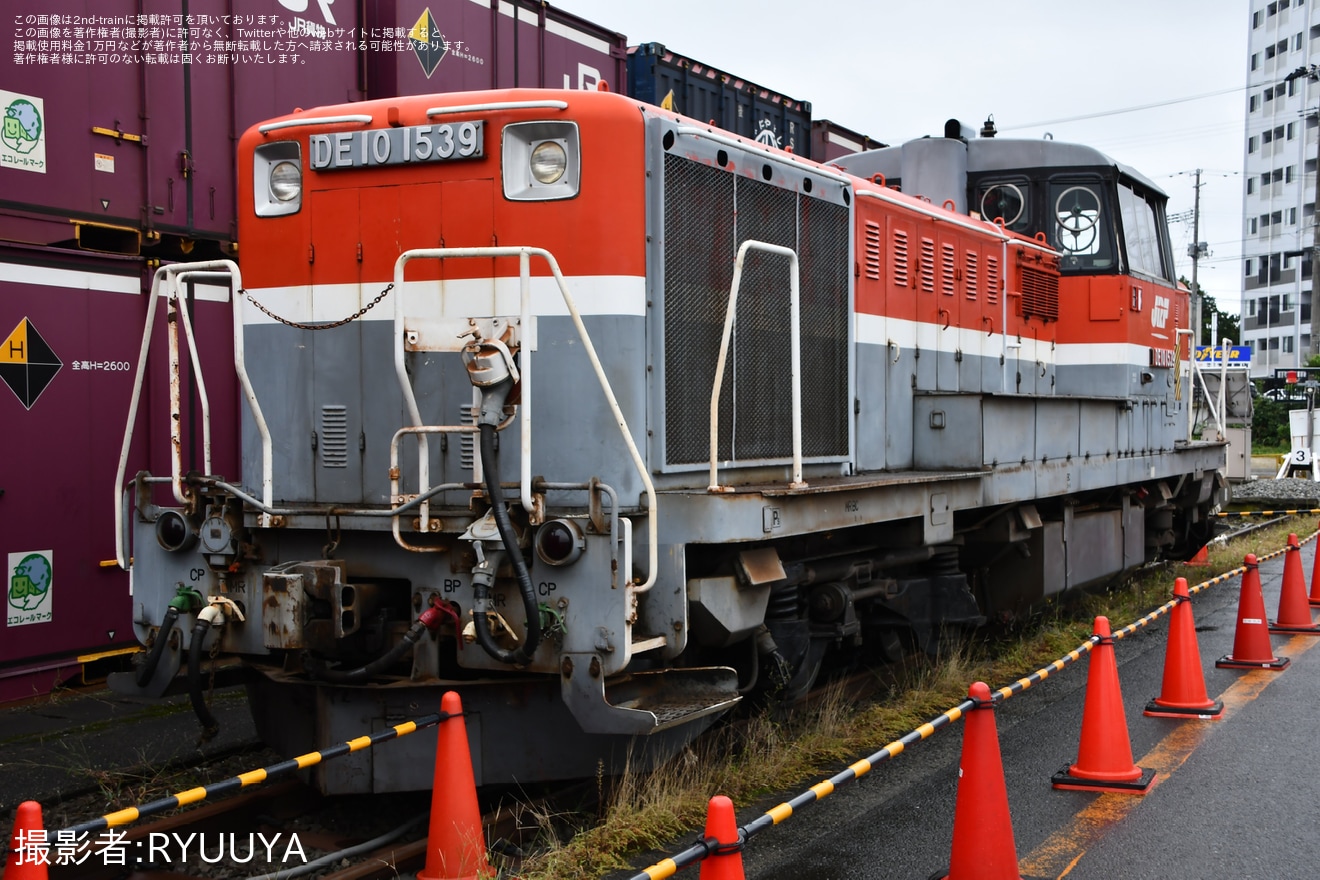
27 363
29 587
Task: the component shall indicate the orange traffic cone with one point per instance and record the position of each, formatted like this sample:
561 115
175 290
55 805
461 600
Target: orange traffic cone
455 844
1294 612
1104 758
983 845
1183 694
29 851
1202 557
1251 642
726 862
1315 577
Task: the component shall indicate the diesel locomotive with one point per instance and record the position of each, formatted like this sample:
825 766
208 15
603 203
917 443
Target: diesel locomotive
606 419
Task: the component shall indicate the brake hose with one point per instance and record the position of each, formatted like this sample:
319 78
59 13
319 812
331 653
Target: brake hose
210 727
148 669
481 594
429 619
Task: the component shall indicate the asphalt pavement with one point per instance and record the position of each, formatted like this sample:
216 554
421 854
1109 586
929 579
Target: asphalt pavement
1235 798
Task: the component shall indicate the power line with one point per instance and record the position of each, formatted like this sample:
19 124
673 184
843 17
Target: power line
1125 109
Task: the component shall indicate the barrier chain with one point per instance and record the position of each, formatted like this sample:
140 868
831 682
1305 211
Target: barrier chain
707 846
252 777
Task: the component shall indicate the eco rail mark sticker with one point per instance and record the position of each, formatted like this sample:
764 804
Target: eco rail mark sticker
22 132
29 588
27 363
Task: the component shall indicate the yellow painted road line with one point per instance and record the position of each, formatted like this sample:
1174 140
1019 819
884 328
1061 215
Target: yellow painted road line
1063 849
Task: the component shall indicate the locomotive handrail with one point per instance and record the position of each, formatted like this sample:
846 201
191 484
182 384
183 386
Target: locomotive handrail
168 275
795 364
499 105
360 118
1194 368
204 400
524 409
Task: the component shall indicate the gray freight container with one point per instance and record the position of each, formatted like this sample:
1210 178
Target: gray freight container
667 79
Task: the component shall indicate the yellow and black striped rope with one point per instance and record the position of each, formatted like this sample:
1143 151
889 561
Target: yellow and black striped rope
252 777
1267 512
706 846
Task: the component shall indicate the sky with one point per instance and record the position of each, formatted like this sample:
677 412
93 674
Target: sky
897 69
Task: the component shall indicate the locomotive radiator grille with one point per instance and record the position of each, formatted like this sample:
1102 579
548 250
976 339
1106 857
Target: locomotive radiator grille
334 436
709 212
1040 294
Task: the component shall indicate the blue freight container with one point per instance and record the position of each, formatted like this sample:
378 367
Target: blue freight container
664 78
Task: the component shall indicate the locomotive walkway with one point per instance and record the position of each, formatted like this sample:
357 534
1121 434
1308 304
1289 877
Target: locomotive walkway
1234 798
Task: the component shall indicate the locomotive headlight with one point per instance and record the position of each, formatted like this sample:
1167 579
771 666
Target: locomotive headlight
286 181
549 161
277 179
540 161
559 542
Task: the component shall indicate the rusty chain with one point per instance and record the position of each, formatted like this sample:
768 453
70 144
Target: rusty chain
299 326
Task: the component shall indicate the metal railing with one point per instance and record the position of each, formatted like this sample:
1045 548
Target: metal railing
795 368
524 255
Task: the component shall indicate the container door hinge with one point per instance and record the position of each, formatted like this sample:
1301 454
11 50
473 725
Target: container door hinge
186 165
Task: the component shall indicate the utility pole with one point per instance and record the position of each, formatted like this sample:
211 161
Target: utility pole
1194 251
1312 74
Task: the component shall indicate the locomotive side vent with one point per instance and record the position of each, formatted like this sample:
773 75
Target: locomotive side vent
971 274
334 436
1040 294
927 265
872 250
467 444
709 212
901 259
992 280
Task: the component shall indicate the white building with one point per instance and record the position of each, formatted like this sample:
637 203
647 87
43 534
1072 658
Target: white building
1283 95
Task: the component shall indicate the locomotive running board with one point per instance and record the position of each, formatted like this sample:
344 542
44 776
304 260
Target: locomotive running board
644 702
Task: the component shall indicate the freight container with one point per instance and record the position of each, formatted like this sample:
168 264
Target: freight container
667 79
467 45
70 332
829 141
135 149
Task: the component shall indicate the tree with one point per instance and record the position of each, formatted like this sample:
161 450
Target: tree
1229 324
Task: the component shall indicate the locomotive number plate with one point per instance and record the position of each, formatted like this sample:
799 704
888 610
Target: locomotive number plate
441 142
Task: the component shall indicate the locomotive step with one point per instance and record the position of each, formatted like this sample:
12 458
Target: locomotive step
645 702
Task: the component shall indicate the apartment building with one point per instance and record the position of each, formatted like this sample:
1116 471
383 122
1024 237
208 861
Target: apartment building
1279 174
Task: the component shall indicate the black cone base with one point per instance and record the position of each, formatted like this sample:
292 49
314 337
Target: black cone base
1275 663
1140 785
1208 713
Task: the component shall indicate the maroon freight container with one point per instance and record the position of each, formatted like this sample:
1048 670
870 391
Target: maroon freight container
70 331
465 45
829 140
142 141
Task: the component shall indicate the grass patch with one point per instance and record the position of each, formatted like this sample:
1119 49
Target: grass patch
763 756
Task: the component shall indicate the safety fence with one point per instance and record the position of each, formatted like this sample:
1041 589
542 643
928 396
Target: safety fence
710 845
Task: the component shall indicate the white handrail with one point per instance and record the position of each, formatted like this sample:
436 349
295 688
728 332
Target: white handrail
795 368
169 275
525 367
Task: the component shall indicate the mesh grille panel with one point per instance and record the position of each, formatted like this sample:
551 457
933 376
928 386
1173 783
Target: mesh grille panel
1040 294
702 207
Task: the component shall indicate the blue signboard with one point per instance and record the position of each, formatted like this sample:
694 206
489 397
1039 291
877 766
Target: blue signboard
1237 354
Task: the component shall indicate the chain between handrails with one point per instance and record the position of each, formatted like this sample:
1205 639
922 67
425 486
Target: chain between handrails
299 326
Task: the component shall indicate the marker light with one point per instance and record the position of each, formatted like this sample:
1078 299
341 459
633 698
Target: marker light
286 181
549 162
559 542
